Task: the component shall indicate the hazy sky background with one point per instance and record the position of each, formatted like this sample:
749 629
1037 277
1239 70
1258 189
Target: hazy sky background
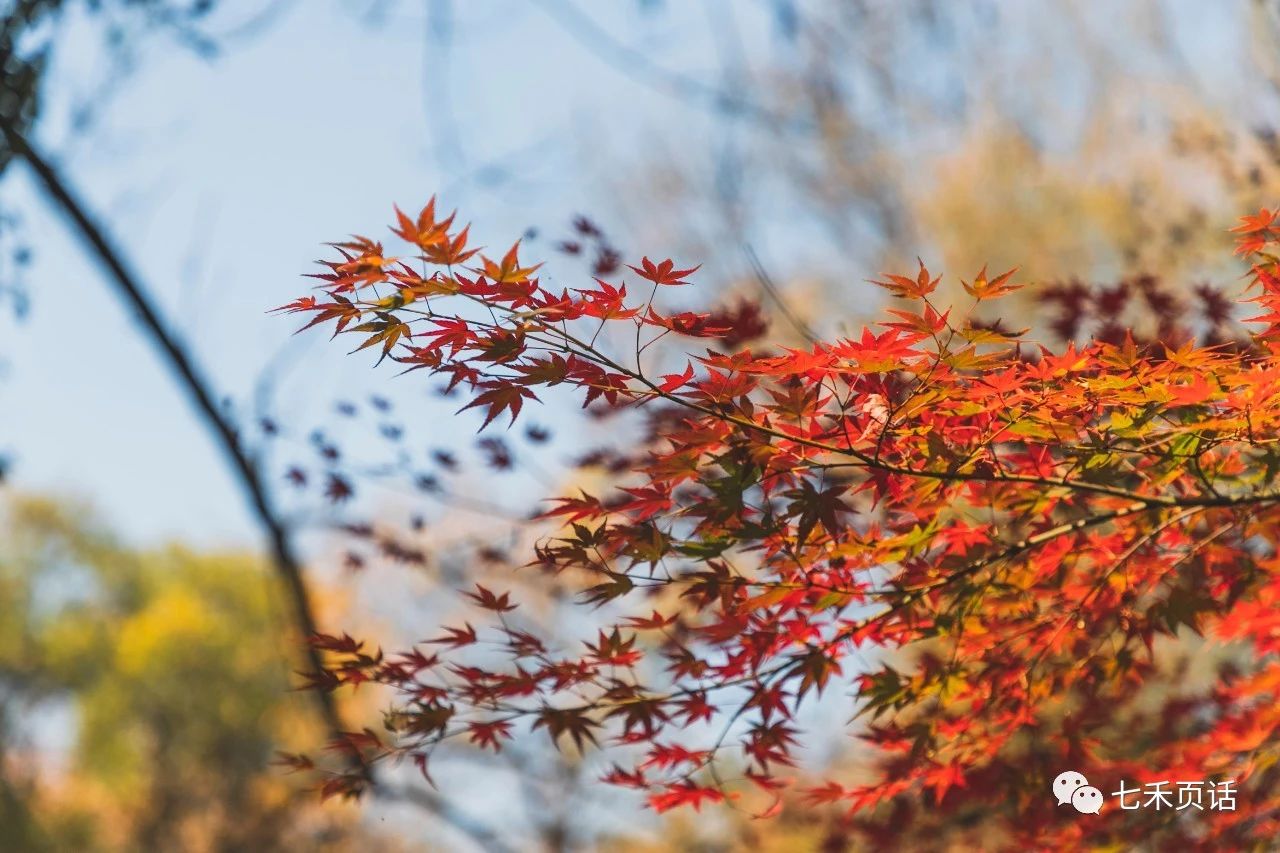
220 179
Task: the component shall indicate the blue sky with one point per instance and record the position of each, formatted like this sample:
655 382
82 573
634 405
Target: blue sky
221 178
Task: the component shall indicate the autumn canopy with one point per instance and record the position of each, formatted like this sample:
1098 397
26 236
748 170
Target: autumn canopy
1001 552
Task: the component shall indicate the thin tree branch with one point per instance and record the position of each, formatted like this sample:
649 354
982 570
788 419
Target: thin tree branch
638 66
283 554
130 290
433 802
766 282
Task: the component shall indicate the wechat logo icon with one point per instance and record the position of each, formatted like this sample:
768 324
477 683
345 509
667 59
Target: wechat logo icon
1072 787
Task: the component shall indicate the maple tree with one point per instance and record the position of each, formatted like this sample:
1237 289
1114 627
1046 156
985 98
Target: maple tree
991 543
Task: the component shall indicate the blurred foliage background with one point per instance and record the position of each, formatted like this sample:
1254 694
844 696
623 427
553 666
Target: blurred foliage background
175 668
795 147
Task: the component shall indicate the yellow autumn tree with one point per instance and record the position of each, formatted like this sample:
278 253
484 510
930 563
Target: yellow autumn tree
144 694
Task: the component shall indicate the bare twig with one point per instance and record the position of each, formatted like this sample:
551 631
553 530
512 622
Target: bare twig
128 287
284 557
638 66
766 282
433 802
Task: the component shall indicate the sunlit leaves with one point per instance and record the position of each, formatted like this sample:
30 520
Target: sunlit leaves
508 270
983 288
663 272
910 288
685 794
1009 528
424 231
1256 231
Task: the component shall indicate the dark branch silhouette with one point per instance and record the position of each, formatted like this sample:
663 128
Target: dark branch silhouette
130 290
284 557
637 65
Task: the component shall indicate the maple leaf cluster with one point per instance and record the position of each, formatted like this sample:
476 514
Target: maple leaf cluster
985 542
1170 319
